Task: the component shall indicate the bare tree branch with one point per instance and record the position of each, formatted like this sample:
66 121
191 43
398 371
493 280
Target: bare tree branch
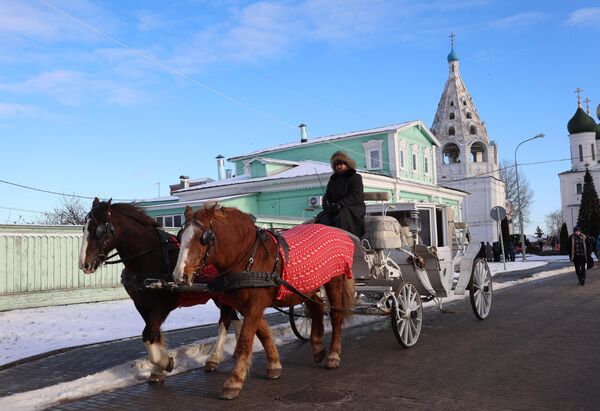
70 211
509 177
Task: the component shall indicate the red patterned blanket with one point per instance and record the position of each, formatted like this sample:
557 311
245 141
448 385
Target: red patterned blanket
317 253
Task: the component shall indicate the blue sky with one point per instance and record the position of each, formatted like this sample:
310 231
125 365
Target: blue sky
109 98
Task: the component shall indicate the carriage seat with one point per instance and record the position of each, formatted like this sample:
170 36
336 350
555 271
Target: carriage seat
376 196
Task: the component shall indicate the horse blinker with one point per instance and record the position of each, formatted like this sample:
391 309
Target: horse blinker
207 237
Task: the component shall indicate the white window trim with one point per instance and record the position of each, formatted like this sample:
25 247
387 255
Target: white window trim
165 216
427 160
402 155
415 158
370 146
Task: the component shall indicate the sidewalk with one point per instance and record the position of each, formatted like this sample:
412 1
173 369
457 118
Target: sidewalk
70 364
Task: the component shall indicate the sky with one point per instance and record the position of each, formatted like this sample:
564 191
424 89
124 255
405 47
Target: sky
37 330
117 99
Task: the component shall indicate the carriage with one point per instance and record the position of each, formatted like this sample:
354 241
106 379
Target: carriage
411 253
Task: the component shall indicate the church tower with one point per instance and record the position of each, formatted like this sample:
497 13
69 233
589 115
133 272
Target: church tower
468 160
584 136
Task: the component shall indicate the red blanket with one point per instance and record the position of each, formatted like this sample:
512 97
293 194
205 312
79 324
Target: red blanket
317 253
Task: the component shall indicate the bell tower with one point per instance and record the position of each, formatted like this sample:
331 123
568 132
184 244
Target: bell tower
467 160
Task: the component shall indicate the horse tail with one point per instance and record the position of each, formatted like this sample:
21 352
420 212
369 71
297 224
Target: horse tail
348 296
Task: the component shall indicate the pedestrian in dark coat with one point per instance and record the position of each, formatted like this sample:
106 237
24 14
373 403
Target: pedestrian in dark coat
343 204
578 253
496 249
489 253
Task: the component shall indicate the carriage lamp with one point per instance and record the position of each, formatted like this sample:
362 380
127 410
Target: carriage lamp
415 224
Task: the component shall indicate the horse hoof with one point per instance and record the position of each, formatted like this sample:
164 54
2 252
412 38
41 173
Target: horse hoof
230 393
170 365
274 373
332 363
318 357
156 379
210 366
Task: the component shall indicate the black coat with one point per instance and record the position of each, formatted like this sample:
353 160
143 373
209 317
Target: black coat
343 203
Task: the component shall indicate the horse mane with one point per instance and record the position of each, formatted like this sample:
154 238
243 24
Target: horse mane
219 213
134 211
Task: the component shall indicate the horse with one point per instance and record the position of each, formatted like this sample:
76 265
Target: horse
147 252
250 265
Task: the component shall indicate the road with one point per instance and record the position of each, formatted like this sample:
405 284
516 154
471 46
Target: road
537 350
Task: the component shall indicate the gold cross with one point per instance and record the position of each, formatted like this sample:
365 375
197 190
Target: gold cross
578 91
452 35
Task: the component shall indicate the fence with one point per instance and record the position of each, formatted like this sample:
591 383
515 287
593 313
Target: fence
39 267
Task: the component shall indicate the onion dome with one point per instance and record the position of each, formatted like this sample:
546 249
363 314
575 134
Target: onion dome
598 126
452 56
581 123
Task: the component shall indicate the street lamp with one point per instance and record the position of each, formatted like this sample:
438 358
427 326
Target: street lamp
541 135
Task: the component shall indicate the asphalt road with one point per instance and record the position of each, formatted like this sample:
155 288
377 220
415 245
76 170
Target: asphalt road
538 350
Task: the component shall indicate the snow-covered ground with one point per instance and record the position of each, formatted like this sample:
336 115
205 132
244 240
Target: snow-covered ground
33 331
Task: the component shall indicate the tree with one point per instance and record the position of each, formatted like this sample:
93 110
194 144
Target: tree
509 177
564 240
554 221
538 232
70 211
589 209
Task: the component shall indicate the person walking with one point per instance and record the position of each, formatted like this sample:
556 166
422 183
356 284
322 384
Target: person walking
343 204
578 253
489 253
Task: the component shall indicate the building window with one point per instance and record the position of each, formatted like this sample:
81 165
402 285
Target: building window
451 131
580 152
375 161
451 154
593 153
426 165
374 154
473 130
414 162
469 114
169 220
579 187
451 103
464 102
401 158
451 116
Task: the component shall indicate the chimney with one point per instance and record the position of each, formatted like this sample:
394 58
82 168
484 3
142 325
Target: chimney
221 166
303 137
228 173
185 181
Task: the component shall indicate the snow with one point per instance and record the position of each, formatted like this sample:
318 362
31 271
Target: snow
34 331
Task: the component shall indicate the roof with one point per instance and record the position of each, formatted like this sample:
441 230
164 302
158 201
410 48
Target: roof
319 140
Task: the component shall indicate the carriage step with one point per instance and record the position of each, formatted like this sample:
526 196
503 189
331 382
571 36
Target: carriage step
374 288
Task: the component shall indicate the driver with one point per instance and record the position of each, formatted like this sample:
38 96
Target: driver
343 204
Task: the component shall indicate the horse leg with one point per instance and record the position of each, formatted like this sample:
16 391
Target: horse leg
274 368
317 329
228 316
334 289
243 351
153 340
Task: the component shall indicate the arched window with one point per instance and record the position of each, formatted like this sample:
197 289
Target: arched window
464 102
451 103
579 188
473 130
580 153
451 154
478 152
469 114
451 131
451 116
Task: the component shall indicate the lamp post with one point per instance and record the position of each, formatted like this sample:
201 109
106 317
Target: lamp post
541 135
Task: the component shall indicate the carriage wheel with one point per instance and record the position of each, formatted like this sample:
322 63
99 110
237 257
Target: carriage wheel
300 321
480 289
407 315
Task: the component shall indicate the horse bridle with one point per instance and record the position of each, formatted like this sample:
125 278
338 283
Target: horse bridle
208 238
101 233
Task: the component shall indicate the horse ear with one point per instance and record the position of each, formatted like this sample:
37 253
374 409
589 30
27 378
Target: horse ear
109 202
189 213
95 202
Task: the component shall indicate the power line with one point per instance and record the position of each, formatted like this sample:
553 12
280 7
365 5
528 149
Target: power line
167 67
22 210
41 190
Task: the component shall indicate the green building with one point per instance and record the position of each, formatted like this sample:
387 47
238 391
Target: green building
284 185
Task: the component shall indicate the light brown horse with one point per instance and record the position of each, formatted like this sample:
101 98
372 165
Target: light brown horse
147 252
244 256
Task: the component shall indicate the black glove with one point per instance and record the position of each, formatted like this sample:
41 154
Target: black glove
337 206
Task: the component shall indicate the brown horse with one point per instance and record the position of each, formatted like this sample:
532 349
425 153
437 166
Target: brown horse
247 259
147 252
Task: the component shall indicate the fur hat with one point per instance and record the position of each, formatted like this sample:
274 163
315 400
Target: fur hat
576 228
341 156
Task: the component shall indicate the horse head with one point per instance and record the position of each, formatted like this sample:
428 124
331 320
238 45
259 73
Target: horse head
202 230
98 236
